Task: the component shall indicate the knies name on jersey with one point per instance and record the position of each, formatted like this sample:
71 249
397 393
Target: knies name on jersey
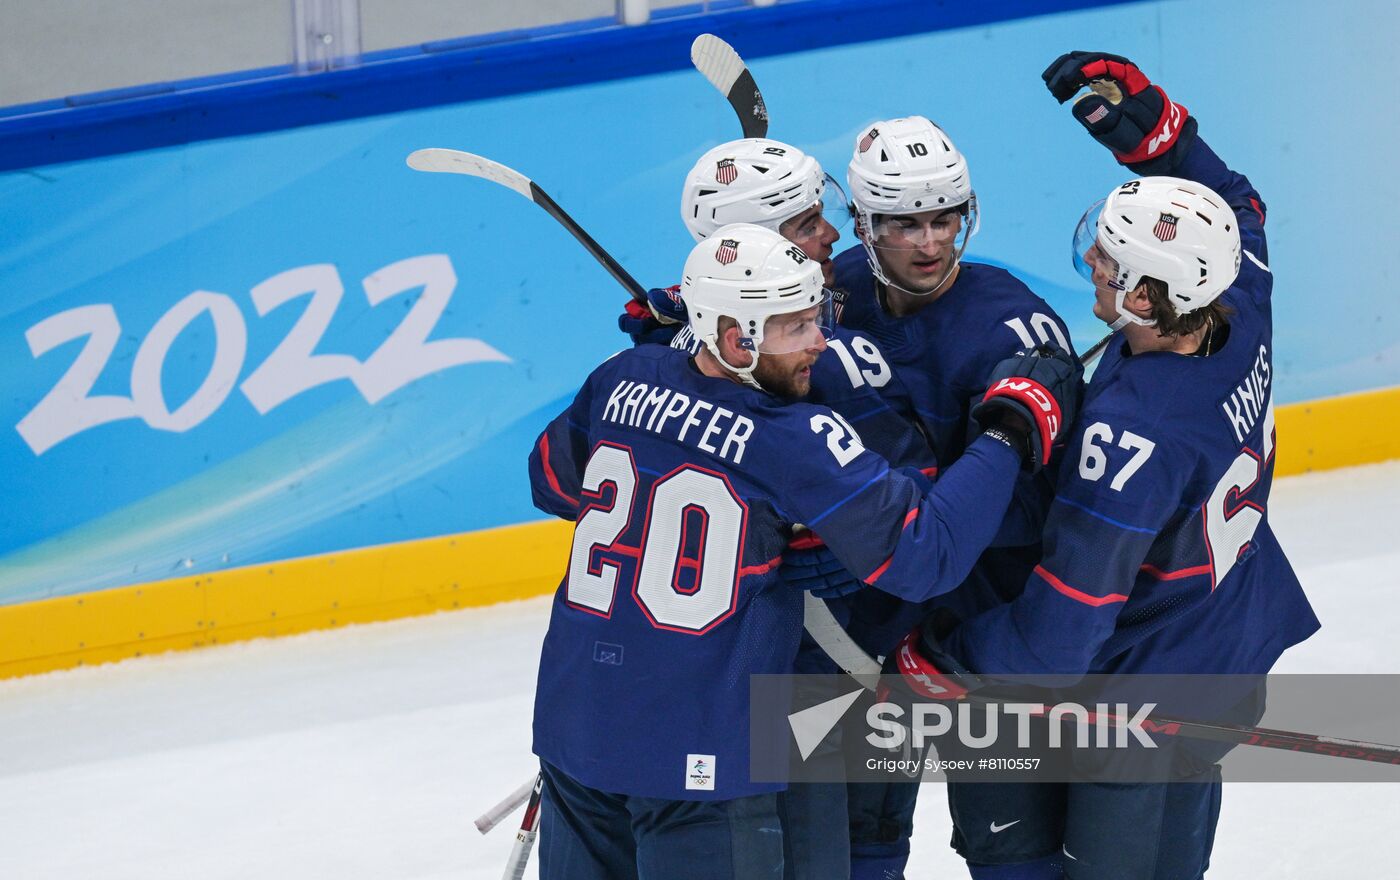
668 412
1243 406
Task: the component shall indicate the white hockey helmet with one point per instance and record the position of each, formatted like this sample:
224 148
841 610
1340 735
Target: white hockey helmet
759 181
1178 231
907 166
750 274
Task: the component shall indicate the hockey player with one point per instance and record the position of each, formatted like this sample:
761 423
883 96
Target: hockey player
941 321
685 476
753 180
780 187
1160 557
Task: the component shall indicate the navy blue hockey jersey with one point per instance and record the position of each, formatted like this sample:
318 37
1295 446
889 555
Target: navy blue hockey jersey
854 378
1159 557
684 488
945 351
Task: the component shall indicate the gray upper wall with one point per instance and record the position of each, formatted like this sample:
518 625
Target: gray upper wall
54 48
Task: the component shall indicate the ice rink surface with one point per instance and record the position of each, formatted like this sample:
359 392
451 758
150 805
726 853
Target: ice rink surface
366 752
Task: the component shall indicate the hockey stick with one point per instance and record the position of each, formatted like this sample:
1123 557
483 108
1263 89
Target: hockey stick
525 837
727 72
492 817
1268 738
841 648
833 639
1095 350
458 162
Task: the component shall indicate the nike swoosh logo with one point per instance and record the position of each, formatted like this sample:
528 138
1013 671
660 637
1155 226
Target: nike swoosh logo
997 829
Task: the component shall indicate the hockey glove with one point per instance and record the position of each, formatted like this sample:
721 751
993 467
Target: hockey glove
1135 119
1033 394
919 667
808 564
656 322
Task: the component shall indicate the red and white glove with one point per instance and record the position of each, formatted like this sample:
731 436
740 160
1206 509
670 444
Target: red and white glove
1034 393
918 667
1145 129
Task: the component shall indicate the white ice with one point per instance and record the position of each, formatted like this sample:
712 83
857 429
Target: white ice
366 752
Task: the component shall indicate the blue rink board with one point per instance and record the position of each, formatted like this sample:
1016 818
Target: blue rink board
157 253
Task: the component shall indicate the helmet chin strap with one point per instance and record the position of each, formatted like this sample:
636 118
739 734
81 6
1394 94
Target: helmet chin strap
1126 317
745 374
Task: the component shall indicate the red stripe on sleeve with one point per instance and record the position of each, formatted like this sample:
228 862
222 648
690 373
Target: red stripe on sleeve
875 575
1078 595
1177 575
549 471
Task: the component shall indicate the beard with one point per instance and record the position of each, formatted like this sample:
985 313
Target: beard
791 381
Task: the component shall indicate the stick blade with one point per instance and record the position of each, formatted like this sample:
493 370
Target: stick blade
726 71
440 160
717 60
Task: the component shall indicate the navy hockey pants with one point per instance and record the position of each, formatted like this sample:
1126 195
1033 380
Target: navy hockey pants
881 821
1098 831
586 834
815 845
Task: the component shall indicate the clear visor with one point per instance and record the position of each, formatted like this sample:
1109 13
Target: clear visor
796 331
1090 261
836 208
809 224
929 231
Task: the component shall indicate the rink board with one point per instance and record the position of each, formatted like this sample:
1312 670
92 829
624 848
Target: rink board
210 484
472 569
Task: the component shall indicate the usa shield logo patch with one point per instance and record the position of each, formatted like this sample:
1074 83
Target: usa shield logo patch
869 139
725 172
838 304
1165 230
728 251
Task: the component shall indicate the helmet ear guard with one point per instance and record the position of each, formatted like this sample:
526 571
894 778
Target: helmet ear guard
751 274
1177 231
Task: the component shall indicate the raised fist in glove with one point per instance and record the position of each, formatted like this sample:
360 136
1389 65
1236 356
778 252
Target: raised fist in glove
1135 119
808 564
658 321
1033 394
